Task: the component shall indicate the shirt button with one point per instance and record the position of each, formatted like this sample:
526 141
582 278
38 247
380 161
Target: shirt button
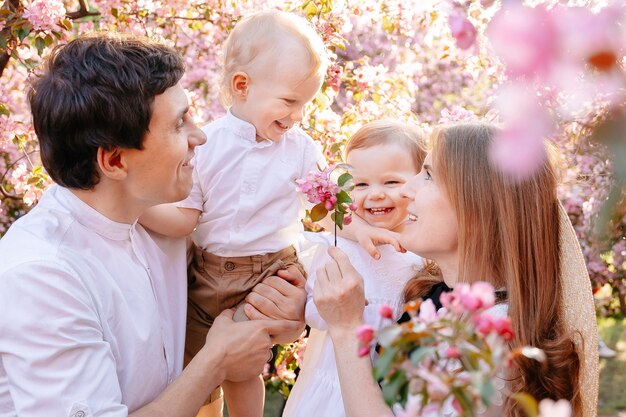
229 266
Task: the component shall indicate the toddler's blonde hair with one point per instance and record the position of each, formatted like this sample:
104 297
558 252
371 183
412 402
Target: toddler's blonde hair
389 132
262 33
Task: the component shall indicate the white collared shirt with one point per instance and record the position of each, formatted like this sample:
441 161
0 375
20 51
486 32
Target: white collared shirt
246 189
92 312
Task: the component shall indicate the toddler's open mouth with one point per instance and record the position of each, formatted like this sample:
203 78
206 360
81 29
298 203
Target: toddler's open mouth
379 211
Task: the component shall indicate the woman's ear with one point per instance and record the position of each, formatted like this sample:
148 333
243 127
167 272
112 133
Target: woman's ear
239 85
111 163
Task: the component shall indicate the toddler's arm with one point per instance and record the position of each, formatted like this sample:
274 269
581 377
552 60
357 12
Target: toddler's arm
170 220
365 234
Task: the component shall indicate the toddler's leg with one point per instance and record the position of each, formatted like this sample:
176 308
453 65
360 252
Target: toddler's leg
245 399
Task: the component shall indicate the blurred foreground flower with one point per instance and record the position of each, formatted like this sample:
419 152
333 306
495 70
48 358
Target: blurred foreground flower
449 361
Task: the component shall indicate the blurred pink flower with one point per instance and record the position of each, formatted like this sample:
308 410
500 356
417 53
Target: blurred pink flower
525 39
452 353
385 311
427 313
484 293
363 351
504 328
437 389
365 334
519 148
463 31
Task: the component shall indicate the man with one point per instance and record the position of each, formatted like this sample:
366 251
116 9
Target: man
92 308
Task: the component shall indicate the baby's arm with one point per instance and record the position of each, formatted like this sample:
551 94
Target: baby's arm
170 220
365 234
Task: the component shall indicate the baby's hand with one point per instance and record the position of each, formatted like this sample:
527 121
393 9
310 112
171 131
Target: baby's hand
370 236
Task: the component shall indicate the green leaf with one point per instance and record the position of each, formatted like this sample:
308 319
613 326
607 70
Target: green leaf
527 402
318 212
343 197
486 392
343 178
49 40
335 148
310 9
384 362
23 32
40 45
421 352
4 110
392 389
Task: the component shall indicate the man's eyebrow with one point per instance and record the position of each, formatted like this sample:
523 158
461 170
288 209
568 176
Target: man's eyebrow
182 112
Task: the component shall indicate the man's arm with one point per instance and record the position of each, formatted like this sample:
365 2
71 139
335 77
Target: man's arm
170 220
56 358
234 351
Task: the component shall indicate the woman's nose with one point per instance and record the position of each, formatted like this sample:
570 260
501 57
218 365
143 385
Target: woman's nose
408 189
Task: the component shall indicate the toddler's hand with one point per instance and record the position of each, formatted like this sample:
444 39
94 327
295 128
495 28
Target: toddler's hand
369 236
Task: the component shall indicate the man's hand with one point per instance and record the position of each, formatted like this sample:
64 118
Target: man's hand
244 347
279 297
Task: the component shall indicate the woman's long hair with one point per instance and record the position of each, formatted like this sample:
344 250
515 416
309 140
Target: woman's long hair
509 235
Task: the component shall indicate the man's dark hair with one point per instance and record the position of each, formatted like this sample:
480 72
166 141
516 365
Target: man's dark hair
97 91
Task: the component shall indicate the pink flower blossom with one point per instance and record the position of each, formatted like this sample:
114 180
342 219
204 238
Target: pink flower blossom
463 31
437 389
504 328
365 334
483 323
363 351
385 311
519 147
428 313
452 353
525 39
44 14
317 187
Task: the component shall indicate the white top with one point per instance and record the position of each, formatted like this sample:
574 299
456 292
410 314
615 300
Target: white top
317 391
246 189
92 312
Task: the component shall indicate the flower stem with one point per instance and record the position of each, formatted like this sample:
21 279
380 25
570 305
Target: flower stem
335 234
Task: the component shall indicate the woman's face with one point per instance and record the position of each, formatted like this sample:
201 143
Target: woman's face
431 230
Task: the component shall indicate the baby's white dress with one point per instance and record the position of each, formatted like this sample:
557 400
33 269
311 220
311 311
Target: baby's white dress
317 391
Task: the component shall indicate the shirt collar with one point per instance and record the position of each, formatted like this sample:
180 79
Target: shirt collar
244 130
91 218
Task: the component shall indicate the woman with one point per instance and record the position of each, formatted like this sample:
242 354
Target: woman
477 224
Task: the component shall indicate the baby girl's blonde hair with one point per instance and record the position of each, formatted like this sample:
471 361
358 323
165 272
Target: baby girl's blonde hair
389 132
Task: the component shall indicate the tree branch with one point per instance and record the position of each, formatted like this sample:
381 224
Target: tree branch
6 194
82 12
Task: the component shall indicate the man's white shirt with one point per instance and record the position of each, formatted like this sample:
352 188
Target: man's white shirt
92 312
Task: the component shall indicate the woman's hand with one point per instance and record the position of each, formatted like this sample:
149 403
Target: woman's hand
338 293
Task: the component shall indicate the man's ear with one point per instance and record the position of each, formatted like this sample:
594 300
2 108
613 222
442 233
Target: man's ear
239 84
112 163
